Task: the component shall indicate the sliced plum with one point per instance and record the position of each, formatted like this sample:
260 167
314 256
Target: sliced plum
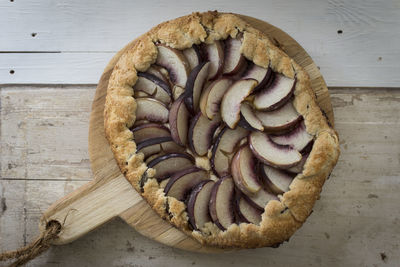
276 95
154 86
232 100
197 206
243 170
246 212
298 168
276 180
298 138
281 120
261 199
193 56
148 131
270 153
224 149
168 164
212 96
194 86
175 62
214 53
260 74
248 119
151 110
181 183
159 72
234 61
201 132
221 203
178 121
156 145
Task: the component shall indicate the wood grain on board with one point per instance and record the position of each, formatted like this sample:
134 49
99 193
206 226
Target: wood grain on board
355 43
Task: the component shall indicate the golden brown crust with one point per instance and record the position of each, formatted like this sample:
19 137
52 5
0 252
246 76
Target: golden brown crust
281 218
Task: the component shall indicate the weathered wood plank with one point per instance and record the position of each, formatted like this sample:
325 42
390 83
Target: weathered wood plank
365 53
44 132
22 204
355 223
86 68
52 68
12 214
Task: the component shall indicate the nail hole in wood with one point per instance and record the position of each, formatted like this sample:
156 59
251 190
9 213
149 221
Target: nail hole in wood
12 71
33 34
339 31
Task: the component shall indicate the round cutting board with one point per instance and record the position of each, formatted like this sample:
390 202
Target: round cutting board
139 215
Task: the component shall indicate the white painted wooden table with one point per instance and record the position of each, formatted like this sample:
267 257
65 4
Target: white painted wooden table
53 52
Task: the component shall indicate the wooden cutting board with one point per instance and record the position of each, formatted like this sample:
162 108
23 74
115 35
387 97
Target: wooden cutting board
110 195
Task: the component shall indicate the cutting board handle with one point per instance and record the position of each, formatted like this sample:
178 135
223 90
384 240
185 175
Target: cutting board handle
89 207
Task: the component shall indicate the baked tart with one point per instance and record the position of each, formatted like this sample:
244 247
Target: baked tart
219 130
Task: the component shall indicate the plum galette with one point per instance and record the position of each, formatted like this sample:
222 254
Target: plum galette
218 129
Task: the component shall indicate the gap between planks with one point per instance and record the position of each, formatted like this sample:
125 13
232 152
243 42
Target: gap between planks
332 89
42 180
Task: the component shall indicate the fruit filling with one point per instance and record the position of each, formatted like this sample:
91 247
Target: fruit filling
221 132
